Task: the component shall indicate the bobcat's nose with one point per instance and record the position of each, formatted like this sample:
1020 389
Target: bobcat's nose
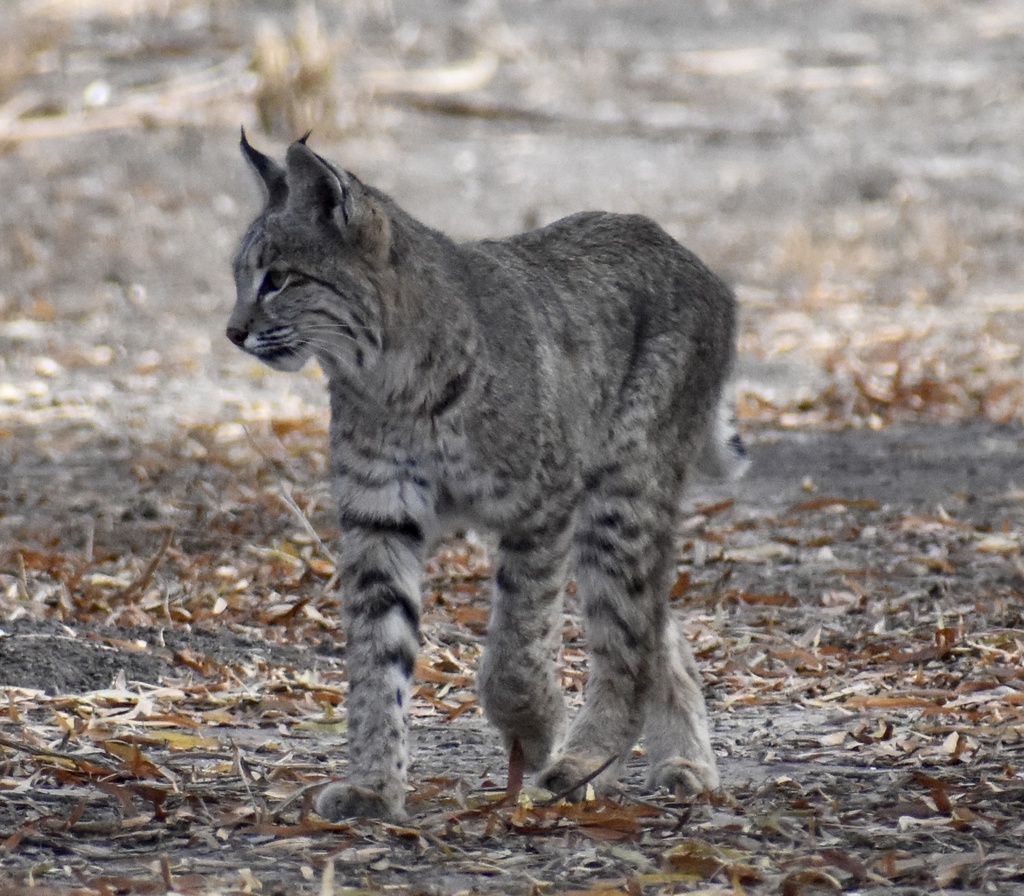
237 335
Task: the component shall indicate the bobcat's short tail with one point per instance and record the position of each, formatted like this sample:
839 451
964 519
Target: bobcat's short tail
723 454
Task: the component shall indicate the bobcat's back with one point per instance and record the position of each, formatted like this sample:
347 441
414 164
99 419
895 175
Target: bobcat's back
583 305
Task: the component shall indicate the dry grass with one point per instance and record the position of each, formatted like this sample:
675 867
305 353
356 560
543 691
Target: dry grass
879 253
297 72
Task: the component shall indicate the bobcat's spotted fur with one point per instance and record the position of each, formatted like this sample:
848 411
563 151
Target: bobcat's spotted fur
554 388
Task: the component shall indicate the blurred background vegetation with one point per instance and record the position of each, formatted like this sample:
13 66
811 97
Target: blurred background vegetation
853 168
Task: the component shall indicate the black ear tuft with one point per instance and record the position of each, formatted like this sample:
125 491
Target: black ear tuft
272 174
305 137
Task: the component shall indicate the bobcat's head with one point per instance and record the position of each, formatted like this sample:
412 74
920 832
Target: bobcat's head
312 270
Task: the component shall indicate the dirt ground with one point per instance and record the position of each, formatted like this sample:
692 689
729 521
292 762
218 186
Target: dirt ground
171 680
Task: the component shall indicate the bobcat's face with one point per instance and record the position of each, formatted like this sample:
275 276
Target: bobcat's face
293 303
306 274
269 321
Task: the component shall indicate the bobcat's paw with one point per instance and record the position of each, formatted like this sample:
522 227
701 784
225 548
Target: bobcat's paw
683 777
339 801
569 776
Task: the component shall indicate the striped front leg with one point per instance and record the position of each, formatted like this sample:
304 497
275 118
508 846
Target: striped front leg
381 567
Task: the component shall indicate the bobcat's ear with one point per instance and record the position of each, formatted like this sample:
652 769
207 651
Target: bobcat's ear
270 172
313 187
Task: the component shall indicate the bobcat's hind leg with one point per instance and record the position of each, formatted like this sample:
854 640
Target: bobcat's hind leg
676 731
517 680
624 548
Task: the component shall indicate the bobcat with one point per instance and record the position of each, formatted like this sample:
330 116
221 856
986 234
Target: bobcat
554 389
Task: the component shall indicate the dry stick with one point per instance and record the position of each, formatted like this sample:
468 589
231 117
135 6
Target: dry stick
165 873
327 881
142 582
583 782
294 797
680 815
516 766
289 501
168 103
245 775
22 578
464 107
460 77
22 747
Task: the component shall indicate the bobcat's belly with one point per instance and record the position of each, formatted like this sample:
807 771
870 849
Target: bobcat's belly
469 495
476 501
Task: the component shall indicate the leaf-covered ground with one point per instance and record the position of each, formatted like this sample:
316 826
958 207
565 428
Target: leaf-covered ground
169 707
171 679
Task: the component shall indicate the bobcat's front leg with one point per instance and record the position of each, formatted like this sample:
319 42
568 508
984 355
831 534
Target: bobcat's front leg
380 571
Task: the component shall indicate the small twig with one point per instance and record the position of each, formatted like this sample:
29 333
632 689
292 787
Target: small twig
289 501
22 578
583 782
165 873
461 77
22 747
327 881
137 587
680 815
516 767
292 504
466 107
279 810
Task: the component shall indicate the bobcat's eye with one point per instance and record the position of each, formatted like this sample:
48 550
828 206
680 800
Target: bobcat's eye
273 281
